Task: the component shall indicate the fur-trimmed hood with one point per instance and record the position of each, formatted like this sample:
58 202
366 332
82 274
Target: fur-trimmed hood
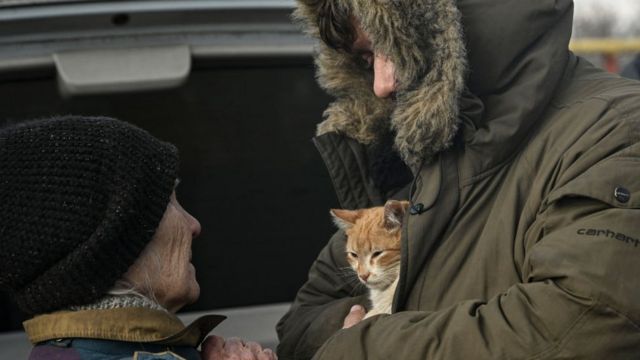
489 67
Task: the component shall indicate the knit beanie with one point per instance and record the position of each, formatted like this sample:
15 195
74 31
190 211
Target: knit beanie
80 197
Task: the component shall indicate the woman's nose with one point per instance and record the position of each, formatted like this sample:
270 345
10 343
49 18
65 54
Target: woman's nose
194 225
384 77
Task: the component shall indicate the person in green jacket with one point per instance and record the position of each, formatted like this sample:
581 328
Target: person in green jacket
521 162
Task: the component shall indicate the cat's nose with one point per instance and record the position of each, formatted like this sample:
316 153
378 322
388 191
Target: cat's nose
365 276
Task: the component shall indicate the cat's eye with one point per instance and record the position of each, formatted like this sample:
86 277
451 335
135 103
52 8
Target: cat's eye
376 254
352 254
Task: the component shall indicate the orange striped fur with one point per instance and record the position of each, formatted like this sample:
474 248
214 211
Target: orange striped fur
373 249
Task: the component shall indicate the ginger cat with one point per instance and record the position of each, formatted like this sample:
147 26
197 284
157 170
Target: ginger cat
373 249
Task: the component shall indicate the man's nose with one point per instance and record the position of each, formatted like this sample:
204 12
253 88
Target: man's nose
384 77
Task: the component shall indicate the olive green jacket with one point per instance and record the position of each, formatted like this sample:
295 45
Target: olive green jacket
524 239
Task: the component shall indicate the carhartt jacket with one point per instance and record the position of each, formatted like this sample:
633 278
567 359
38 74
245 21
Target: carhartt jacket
523 239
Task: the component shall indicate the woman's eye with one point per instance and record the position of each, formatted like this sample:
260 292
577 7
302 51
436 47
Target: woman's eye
376 254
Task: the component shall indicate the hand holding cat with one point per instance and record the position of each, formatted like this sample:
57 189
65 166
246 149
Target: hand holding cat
355 315
217 348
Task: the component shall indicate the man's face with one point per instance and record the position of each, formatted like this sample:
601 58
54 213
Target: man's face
384 78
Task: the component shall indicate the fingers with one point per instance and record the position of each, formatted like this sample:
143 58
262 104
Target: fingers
234 345
267 354
246 354
213 348
235 348
257 353
254 347
216 348
356 314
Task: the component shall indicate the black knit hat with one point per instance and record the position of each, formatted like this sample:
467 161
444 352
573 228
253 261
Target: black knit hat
79 199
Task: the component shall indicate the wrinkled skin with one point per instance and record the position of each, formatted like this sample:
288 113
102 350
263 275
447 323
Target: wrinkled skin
217 348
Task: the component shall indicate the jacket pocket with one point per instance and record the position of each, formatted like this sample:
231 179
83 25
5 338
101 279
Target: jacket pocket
614 181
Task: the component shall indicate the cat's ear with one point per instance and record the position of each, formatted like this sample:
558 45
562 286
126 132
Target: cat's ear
394 213
345 219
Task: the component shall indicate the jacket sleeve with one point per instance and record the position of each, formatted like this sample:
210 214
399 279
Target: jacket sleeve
579 299
321 304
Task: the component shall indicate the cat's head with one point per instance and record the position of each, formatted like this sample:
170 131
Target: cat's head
373 241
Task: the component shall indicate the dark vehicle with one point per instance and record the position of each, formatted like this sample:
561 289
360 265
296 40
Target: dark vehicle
231 83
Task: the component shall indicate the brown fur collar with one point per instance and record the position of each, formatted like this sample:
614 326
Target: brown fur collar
424 39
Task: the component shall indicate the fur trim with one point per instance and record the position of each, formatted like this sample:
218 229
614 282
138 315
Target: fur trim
424 40
120 301
357 112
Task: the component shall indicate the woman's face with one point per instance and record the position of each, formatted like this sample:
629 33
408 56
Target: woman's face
164 268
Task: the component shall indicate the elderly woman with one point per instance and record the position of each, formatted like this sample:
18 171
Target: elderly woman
96 246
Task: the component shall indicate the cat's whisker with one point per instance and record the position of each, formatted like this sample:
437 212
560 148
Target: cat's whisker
347 274
353 281
358 289
345 270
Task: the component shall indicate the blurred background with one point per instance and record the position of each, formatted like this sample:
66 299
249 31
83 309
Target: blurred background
608 34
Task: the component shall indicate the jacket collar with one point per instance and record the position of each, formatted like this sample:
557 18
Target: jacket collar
123 324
